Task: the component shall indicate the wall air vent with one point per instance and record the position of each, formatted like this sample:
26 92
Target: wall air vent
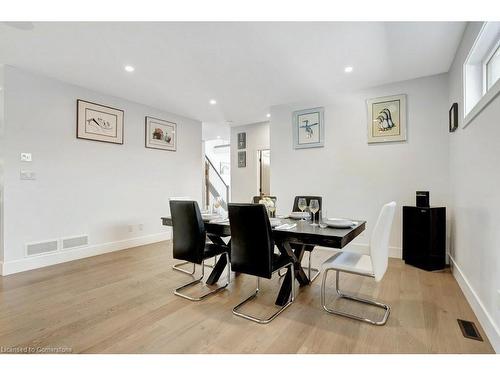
72 242
36 248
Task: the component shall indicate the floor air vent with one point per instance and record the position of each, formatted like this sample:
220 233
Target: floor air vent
469 330
41 247
69 243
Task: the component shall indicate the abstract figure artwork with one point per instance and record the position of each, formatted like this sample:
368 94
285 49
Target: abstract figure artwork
308 128
387 119
98 122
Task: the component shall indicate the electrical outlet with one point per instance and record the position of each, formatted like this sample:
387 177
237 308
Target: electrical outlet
25 156
27 175
130 228
141 227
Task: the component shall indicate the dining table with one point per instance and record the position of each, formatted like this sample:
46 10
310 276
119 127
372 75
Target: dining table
292 242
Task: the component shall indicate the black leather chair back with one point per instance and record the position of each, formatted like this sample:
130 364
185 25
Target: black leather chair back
308 200
188 231
257 198
252 244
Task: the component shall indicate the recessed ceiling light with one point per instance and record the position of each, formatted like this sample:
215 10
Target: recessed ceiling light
213 101
129 68
348 69
268 115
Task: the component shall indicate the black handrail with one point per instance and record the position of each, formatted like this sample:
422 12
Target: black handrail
215 169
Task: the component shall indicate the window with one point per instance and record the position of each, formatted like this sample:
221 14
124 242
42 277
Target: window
493 68
482 71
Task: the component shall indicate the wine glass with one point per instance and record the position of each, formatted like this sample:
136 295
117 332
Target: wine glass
272 209
314 207
302 204
323 217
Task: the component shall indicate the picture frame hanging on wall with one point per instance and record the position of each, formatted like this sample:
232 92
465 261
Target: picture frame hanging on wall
308 128
242 141
160 134
242 159
97 122
387 119
453 117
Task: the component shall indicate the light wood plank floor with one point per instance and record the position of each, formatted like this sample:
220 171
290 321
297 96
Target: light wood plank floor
123 302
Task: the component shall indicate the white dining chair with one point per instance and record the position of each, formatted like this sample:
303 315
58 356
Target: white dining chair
372 265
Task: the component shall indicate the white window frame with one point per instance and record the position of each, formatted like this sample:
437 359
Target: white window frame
472 81
490 55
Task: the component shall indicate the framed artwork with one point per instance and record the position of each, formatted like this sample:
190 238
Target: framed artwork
308 128
161 134
387 119
453 117
242 141
98 122
242 159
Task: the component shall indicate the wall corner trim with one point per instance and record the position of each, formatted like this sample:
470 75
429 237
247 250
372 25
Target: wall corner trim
487 322
39 261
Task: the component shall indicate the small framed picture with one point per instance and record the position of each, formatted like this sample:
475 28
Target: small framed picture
242 159
387 119
161 134
453 117
242 141
308 128
97 122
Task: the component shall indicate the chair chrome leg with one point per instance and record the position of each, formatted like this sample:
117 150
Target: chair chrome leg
177 268
177 291
252 296
309 269
341 294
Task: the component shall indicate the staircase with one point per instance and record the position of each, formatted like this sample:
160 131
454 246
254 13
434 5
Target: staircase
215 186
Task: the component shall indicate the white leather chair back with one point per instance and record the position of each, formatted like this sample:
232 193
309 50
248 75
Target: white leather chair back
379 242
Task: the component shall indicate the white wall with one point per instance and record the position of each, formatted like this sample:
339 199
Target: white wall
475 181
1 162
245 181
86 187
355 178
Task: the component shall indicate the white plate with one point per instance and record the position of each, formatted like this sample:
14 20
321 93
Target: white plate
275 222
339 223
300 215
209 216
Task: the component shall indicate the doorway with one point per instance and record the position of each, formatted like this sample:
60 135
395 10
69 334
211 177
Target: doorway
264 171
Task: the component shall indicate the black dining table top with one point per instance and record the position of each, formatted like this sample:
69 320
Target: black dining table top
304 232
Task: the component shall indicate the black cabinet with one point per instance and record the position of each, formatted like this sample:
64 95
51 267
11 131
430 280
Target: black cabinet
424 237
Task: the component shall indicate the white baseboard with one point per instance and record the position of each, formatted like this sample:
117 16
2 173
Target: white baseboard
44 260
487 322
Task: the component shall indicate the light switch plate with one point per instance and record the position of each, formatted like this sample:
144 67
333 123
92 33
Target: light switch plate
25 156
28 175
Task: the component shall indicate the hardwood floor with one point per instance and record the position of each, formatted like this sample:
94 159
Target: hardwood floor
123 302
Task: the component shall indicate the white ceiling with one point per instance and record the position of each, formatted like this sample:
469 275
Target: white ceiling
246 67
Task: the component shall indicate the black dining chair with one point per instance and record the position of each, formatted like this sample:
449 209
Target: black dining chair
309 248
252 251
190 243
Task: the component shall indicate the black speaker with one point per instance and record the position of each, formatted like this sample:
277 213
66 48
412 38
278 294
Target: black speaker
423 199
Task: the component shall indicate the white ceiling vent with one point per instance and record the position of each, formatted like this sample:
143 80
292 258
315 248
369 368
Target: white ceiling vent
72 242
36 248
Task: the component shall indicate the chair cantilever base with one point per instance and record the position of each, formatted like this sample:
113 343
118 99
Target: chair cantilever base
177 266
177 291
252 296
341 294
